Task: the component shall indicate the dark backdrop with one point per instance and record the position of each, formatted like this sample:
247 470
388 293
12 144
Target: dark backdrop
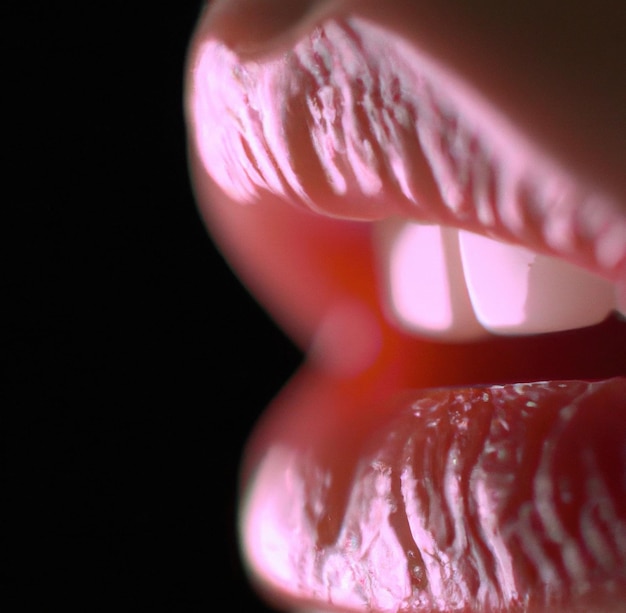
134 364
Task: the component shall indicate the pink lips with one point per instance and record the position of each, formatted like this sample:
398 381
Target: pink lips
500 498
366 486
357 122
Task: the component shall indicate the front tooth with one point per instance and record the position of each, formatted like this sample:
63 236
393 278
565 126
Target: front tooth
517 291
425 288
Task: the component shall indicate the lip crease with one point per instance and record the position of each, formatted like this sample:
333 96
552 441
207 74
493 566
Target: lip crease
482 477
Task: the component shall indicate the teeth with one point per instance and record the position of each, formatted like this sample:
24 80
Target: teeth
425 284
457 286
517 291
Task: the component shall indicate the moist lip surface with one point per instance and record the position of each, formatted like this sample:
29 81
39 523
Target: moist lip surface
356 122
367 487
500 498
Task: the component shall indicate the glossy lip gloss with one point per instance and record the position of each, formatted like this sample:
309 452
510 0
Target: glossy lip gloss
501 498
366 486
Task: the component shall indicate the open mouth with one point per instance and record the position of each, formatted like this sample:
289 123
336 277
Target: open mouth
456 439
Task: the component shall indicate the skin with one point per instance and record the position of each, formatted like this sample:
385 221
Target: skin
315 272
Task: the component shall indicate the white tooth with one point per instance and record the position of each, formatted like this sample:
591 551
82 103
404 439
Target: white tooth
425 288
517 291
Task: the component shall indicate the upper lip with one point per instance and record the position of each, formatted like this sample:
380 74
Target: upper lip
531 184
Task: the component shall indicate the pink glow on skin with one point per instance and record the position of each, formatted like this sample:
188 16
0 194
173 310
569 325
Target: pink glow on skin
393 473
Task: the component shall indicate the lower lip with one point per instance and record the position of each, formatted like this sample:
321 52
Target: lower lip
304 477
485 498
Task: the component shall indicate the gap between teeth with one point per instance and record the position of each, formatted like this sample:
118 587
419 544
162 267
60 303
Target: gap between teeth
458 286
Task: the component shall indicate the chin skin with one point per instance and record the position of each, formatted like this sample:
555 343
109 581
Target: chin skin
396 473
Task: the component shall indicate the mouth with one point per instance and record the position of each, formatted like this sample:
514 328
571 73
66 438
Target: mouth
455 439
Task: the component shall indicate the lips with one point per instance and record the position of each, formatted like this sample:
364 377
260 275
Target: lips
394 473
501 498
357 123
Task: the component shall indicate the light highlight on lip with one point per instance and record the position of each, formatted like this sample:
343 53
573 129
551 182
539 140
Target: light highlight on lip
354 122
498 498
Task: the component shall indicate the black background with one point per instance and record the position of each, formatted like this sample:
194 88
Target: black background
134 363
